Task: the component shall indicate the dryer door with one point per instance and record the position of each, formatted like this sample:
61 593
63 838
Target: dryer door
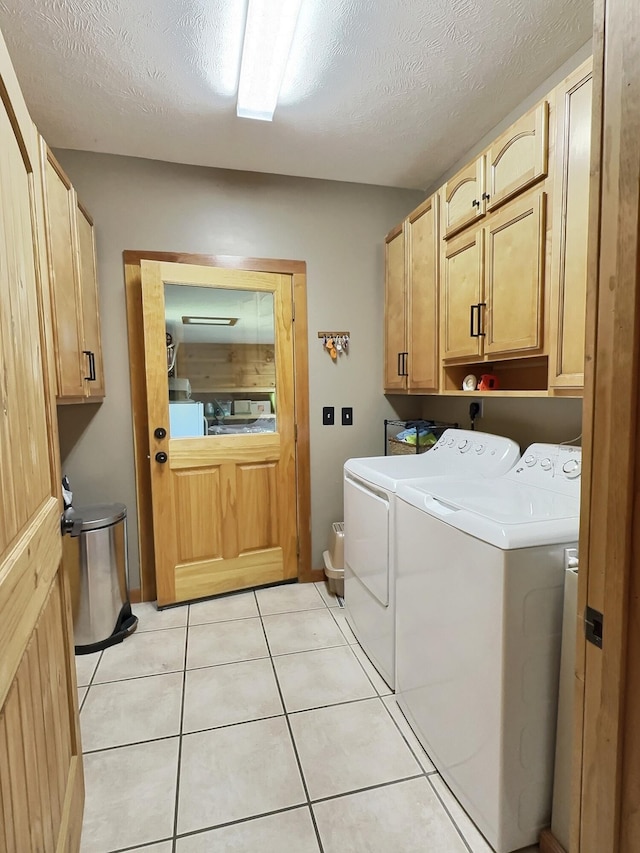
366 539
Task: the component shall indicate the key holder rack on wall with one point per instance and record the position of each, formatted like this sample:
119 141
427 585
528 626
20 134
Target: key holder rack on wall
335 343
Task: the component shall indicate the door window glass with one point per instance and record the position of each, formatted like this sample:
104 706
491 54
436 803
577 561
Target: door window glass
221 373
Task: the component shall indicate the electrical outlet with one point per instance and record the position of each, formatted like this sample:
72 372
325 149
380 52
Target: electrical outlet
328 415
347 416
475 409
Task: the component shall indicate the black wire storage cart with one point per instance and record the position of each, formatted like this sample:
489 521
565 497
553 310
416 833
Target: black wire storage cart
413 436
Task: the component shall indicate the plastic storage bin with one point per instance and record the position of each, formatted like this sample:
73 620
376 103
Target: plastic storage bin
95 558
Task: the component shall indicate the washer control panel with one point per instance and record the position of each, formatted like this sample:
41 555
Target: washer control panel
550 465
483 450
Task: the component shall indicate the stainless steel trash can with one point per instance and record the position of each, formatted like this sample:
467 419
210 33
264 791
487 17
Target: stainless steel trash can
95 558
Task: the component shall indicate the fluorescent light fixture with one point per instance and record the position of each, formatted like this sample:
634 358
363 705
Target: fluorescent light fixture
267 44
210 321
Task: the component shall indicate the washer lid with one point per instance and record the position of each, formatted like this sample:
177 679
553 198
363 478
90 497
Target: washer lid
499 511
459 451
97 516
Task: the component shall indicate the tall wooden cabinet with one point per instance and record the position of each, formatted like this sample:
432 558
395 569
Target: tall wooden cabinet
41 775
571 216
73 281
411 302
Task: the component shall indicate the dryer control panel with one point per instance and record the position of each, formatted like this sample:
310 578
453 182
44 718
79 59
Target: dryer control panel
551 466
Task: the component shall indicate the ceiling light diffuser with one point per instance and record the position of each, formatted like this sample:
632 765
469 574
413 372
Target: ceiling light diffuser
267 43
210 321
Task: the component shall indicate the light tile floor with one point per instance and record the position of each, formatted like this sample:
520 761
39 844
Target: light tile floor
254 723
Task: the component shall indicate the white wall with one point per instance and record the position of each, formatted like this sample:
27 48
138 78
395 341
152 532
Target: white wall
337 228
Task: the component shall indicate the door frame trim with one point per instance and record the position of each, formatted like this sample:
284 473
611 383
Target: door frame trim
133 290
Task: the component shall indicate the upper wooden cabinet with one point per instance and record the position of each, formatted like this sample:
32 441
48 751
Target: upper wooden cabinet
411 329
570 230
461 295
395 312
519 157
422 289
73 281
464 198
514 277
493 285
513 163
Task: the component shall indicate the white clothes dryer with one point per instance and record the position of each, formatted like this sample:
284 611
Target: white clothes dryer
369 508
480 575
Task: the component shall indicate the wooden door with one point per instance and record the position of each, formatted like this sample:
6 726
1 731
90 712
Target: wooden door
570 230
464 198
461 295
422 291
60 206
41 779
395 312
519 157
224 505
90 310
514 278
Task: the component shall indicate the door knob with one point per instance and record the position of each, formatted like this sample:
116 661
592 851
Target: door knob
160 432
161 457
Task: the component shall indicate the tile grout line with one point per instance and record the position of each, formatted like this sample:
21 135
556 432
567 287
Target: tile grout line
449 815
178 768
293 741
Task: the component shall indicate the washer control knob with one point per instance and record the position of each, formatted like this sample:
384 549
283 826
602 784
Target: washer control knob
572 468
480 448
452 441
545 464
530 460
464 444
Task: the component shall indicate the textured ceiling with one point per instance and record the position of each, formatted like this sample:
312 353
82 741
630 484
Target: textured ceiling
385 92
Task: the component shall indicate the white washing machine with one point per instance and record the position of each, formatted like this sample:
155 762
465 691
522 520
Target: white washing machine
369 507
480 575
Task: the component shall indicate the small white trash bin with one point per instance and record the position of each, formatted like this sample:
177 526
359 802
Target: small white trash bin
334 559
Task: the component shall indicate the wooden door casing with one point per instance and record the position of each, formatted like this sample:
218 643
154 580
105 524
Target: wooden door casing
422 297
464 198
462 287
224 507
570 230
133 285
519 157
395 302
41 778
514 277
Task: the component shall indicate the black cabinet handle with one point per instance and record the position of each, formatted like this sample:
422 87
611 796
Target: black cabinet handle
472 311
475 203
405 357
486 196
400 364
481 333
92 365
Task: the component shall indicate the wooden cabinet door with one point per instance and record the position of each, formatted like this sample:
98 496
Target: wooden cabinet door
63 270
422 293
41 777
462 287
464 201
570 230
395 307
514 276
519 157
89 295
